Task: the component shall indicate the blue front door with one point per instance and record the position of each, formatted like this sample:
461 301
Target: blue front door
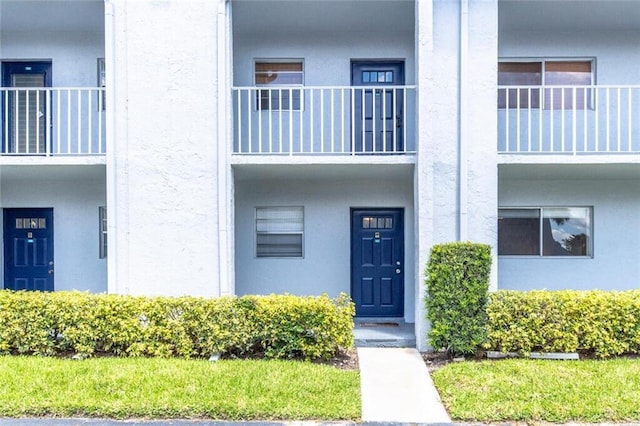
26 107
377 262
28 249
378 111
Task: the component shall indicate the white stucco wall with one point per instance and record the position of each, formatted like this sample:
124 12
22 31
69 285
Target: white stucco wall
163 182
327 57
326 54
616 52
616 227
73 54
325 267
75 215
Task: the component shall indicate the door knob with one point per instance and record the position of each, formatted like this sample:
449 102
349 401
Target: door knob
398 270
50 271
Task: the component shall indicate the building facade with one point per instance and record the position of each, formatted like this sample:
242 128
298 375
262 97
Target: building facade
212 147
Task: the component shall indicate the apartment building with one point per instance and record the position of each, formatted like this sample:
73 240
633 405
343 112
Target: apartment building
212 147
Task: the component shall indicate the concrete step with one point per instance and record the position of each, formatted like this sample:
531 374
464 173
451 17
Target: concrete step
384 333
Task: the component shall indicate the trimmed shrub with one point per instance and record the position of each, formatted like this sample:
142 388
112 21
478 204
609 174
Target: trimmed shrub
276 326
457 279
602 323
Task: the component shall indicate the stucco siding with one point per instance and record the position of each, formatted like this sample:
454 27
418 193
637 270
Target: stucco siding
166 164
616 52
616 228
76 223
73 54
325 267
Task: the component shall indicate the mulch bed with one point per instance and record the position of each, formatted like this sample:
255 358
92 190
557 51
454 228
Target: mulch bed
348 360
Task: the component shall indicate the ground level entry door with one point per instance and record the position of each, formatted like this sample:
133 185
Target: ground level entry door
377 262
28 249
378 107
25 108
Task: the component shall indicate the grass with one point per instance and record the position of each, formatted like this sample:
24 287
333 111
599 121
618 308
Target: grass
171 388
537 390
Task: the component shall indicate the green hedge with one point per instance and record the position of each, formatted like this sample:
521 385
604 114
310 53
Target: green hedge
602 323
457 279
276 326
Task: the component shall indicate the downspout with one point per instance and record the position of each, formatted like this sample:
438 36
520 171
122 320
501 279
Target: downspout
463 131
111 148
225 205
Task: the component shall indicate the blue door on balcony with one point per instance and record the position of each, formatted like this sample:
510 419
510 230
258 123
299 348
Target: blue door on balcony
378 116
25 108
28 249
377 262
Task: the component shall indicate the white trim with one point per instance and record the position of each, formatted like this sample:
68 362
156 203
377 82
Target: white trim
225 284
463 129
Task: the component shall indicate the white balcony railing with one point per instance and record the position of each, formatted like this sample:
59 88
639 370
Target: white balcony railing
569 119
324 120
52 121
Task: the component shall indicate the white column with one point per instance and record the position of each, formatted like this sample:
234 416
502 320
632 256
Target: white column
456 170
481 123
164 178
423 172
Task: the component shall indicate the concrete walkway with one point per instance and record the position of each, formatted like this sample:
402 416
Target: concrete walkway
396 387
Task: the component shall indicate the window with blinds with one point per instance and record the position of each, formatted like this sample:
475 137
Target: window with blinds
279 79
279 231
525 75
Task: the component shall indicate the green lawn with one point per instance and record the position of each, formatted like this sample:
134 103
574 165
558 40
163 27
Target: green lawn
536 390
144 387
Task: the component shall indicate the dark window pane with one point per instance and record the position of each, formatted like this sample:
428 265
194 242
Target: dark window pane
519 232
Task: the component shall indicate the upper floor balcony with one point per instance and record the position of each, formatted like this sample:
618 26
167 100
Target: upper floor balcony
336 120
52 78
568 81
572 120
52 121
328 80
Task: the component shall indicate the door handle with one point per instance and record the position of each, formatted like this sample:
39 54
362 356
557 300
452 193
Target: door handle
398 122
398 270
50 271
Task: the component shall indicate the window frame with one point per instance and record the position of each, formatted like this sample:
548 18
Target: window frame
270 87
542 92
301 232
590 248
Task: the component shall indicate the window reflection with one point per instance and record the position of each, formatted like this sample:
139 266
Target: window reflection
548 231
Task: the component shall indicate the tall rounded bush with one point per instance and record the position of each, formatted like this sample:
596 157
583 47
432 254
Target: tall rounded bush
457 279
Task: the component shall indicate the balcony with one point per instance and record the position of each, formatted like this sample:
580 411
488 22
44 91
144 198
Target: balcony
37 121
324 120
573 120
